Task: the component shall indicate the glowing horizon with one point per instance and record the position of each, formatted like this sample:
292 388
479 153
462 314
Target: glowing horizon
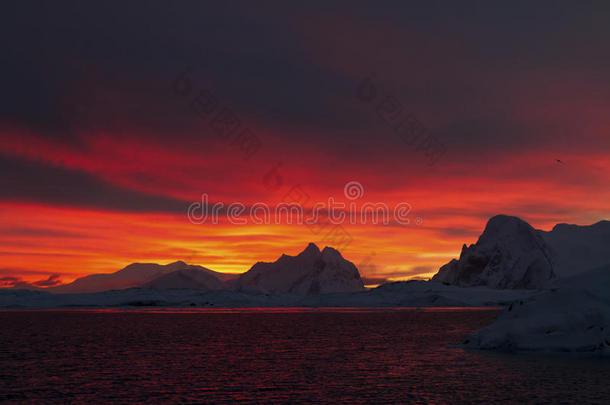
105 140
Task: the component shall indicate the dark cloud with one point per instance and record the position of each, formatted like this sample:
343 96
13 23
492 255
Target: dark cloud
421 269
17 282
411 272
59 60
291 73
461 232
52 280
24 180
9 281
374 280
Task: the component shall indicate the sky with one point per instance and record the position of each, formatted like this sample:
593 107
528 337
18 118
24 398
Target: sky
115 117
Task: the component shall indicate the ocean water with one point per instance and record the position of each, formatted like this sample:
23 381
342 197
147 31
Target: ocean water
263 356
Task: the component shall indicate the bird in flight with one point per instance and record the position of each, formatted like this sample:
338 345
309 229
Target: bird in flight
560 161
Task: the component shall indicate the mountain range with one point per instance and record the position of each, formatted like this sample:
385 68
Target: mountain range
509 254
147 275
310 272
554 286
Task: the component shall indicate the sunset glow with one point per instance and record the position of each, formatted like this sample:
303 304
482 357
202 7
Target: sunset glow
100 164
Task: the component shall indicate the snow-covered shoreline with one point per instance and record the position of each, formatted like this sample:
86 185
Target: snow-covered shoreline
401 294
573 316
553 302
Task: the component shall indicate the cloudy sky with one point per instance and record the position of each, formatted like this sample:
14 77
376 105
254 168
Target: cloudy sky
116 116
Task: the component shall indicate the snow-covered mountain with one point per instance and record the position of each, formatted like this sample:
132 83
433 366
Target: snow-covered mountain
191 278
134 275
310 272
579 248
510 253
573 316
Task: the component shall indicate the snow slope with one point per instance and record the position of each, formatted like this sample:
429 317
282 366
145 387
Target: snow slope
509 254
134 275
187 278
574 316
310 272
418 293
579 248
399 294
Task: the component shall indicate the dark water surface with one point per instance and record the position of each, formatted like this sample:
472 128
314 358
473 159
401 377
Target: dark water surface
276 356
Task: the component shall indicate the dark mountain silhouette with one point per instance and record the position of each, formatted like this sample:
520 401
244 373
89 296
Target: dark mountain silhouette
509 254
512 254
134 275
310 272
192 278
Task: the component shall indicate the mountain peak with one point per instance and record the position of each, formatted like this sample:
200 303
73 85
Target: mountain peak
186 278
510 253
311 250
330 249
310 272
331 252
505 223
601 225
312 246
504 218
